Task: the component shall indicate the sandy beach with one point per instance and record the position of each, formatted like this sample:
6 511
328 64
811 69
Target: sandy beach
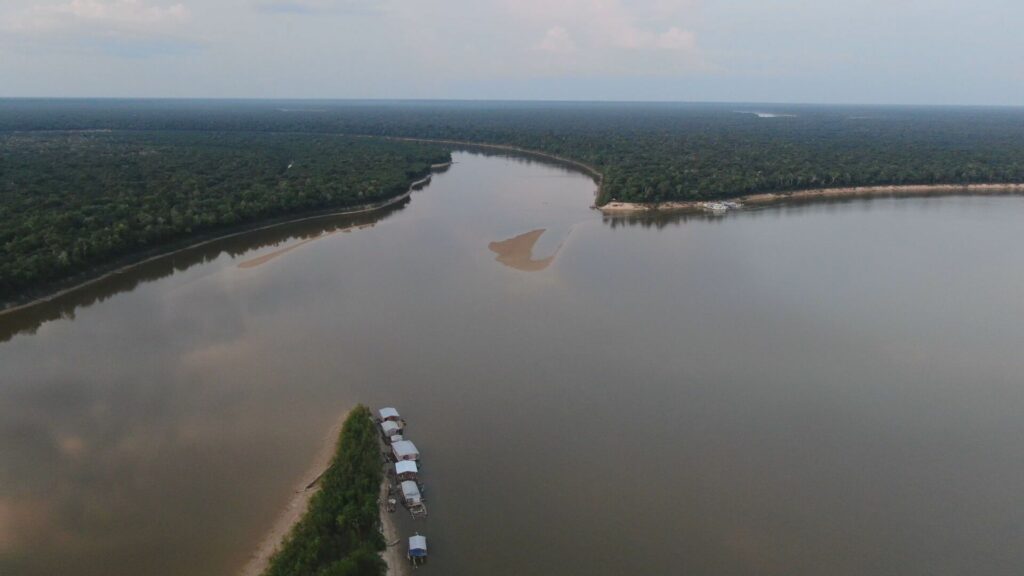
765 199
297 505
393 555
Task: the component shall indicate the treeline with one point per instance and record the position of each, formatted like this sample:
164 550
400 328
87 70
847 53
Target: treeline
339 535
646 151
70 201
83 182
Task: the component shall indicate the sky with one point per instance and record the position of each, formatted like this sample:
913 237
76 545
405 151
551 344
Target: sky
827 51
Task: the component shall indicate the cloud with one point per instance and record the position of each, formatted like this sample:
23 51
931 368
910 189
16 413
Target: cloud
611 36
557 40
100 16
124 28
313 6
676 39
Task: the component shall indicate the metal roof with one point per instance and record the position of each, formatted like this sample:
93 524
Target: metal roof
406 466
388 412
418 543
404 449
390 427
410 490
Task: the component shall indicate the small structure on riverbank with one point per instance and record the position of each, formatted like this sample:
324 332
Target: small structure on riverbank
389 414
406 470
391 428
417 549
413 499
404 450
411 493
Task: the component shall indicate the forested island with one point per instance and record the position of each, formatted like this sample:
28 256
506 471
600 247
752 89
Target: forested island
86 181
338 534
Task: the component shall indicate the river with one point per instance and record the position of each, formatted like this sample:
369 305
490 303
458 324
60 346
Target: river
817 389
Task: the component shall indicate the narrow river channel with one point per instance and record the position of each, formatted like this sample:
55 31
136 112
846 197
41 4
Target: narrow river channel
819 389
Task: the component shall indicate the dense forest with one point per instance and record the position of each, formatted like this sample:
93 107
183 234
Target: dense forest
83 182
72 200
646 151
338 535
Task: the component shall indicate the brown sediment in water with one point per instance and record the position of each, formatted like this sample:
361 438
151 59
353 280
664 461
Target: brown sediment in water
393 554
261 260
517 252
297 505
852 192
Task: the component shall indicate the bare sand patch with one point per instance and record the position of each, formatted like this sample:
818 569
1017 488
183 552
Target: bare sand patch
517 252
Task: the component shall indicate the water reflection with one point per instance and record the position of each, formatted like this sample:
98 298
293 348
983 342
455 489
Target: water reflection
28 320
261 260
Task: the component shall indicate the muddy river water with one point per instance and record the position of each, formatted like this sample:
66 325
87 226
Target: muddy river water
820 389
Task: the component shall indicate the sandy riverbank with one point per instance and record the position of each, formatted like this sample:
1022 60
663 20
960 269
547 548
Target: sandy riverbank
297 505
394 554
765 199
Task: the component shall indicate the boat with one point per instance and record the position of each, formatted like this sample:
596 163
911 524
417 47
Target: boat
417 549
715 207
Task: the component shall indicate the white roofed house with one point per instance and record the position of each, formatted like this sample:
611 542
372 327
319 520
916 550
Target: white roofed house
404 450
411 493
406 470
390 428
412 499
417 549
389 415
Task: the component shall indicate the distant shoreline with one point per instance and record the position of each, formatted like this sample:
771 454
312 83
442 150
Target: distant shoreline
101 272
810 195
596 174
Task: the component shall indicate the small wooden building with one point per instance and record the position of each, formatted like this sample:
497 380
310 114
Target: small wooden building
404 450
406 470
389 415
411 493
390 428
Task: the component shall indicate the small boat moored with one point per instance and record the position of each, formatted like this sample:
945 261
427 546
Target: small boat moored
413 499
417 549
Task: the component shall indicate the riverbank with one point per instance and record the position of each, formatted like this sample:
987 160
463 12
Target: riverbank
852 192
398 564
101 273
348 489
297 505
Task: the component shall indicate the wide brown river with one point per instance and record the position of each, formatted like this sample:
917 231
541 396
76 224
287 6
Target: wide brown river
824 389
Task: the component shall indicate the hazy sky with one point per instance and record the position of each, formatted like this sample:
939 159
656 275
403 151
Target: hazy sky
863 51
